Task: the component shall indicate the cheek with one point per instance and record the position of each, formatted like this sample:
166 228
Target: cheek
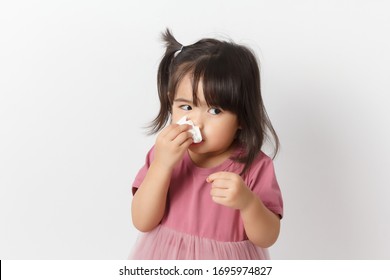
221 132
176 116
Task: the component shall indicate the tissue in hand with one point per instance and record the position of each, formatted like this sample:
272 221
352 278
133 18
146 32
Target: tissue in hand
196 136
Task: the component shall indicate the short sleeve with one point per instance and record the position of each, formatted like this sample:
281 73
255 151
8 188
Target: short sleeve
139 178
263 182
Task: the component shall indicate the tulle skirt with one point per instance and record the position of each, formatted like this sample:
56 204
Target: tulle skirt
164 243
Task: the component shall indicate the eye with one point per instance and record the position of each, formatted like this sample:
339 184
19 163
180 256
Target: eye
185 107
215 111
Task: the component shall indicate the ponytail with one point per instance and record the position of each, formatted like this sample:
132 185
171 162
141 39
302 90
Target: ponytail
164 71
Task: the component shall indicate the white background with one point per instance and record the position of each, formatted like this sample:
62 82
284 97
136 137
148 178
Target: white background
78 83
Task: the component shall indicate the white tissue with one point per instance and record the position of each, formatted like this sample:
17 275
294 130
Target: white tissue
195 131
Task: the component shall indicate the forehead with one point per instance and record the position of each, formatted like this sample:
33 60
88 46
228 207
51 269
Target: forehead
186 90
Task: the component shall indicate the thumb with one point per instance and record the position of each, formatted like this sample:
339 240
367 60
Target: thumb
217 175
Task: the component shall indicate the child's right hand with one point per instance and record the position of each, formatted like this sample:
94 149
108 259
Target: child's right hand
171 144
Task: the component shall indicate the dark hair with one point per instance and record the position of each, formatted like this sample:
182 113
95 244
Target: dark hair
231 81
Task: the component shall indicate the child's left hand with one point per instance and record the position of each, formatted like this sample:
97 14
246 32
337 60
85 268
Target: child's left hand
229 189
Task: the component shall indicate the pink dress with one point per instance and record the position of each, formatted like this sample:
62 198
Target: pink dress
195 227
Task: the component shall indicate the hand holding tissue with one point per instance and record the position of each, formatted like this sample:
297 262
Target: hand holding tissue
195 131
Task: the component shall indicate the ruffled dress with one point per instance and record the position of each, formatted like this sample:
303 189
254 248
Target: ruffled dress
195 227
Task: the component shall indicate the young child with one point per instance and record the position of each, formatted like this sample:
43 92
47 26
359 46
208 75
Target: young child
217 199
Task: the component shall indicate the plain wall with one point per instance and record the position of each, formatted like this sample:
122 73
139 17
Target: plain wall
78 83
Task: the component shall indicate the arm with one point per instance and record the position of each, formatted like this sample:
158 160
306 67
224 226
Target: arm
149 201
261 225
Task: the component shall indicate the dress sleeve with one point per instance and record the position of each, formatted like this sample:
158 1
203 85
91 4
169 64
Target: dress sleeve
139 178
262 181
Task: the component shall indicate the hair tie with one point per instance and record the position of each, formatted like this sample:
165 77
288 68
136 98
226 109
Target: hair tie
178 51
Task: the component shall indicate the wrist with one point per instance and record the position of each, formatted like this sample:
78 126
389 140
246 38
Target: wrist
161 167
250 203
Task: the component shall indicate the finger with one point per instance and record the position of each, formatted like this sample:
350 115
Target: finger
166 130
220 184
222 175
219 200
187 143
216 192
176 130
183 138
171 129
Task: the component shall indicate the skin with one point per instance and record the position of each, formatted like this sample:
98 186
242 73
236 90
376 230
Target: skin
218 130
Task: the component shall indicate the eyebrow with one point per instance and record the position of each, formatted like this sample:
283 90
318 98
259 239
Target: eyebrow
182 100
188 101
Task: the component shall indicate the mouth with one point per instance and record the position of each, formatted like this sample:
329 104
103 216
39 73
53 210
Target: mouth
196 144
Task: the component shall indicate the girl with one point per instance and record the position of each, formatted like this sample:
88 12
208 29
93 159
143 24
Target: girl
217 199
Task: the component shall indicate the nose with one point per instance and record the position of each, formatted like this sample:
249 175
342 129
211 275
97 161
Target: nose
196 118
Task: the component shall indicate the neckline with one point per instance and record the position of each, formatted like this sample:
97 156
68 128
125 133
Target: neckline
209 170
